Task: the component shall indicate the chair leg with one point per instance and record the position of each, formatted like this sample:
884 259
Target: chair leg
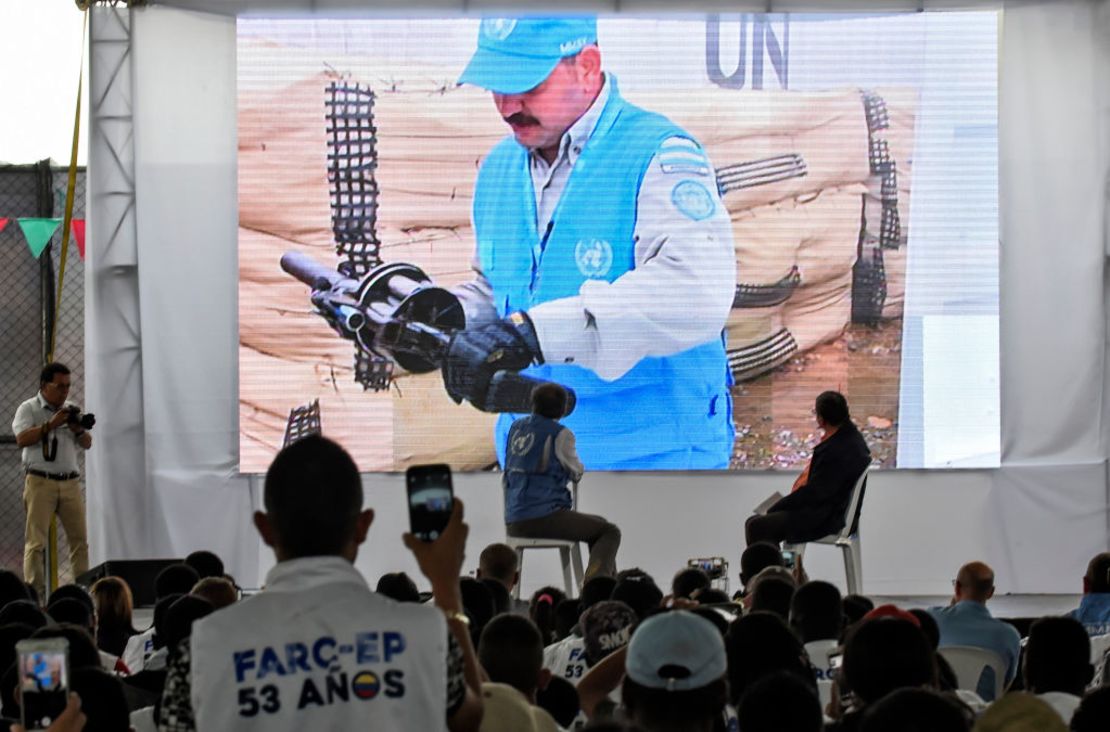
520 572
568 584
579 572
853 567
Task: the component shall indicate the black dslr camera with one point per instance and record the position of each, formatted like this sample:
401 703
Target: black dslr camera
85 421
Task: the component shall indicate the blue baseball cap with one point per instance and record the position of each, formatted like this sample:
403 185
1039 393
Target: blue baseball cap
676 651
517 54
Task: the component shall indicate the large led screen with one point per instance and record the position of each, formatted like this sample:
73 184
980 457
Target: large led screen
694 223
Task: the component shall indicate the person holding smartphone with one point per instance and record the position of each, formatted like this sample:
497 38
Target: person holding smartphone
317 648
540 460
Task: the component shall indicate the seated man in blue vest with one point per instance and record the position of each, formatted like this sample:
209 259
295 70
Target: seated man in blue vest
1094 606
604 257
540 459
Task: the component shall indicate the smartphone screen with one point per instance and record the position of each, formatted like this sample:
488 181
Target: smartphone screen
430 500
43 680
788 559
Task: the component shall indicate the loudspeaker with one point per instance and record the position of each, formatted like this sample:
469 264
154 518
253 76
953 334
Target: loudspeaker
138 573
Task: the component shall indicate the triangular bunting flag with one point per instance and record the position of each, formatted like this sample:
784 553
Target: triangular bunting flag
78 228
38 233
3 223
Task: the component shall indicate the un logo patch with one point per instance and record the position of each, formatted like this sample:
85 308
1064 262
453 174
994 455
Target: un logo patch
498 29
594 257
693 200
523 443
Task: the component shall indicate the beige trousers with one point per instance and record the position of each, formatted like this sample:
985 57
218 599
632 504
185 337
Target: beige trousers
42 498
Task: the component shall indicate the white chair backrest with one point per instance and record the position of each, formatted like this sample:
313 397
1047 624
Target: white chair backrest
1100 659
854 504
968 663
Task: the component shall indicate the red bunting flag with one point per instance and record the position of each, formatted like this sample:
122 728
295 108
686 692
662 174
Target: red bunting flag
78 228
3 223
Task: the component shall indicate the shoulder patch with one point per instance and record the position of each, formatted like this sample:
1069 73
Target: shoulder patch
683 156
693 199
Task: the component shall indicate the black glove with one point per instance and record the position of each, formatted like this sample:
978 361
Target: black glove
476 354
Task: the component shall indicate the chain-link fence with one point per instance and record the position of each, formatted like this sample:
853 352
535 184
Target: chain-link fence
28 288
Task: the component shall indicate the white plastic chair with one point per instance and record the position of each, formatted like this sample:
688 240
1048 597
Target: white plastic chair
570 555
847 539
969 662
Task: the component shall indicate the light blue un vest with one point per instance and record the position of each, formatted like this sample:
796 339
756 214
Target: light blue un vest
672 412
535 481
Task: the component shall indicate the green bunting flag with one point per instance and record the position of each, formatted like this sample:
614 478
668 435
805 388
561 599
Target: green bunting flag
38 233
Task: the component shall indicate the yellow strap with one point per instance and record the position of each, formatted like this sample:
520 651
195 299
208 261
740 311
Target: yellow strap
70 186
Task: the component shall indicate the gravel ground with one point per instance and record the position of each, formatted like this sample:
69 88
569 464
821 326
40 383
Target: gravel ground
775 428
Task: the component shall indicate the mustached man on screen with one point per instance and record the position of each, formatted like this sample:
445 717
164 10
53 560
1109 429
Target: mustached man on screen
605 259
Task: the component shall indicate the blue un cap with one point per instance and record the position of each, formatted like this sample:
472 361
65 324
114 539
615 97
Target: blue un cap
517 54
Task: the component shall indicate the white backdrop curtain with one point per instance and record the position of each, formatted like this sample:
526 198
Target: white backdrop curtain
170 486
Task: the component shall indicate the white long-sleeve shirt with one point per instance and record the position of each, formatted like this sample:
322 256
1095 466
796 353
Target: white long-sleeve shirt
681 289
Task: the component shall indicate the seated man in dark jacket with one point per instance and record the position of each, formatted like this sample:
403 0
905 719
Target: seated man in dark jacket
816 505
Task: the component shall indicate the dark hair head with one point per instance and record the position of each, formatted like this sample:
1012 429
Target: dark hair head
688 580
398 586
567 613
832 408
176 579
1098 573
816 612
72 592
313 496
542 611
672 709
713 616
1093 714
511 651
780 701
68 610
180 616
916 710
477 603
1058 656
855 607
596 589
758 644
928 625
549 400
11 634
757 557
219 591
206 563
499 562
102 700
638 592
774 595
160 609
12 588
46 376
113 603
886 654
82 647
559 699
502 600
712 596
23 611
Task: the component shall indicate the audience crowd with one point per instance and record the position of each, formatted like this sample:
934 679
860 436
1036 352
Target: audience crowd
317 648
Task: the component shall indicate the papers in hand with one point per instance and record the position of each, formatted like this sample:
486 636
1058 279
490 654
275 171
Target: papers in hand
769 501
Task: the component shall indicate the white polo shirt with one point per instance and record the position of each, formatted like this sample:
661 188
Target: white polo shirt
34 412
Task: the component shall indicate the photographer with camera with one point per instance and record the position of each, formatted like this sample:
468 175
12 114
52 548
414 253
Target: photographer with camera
50 430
